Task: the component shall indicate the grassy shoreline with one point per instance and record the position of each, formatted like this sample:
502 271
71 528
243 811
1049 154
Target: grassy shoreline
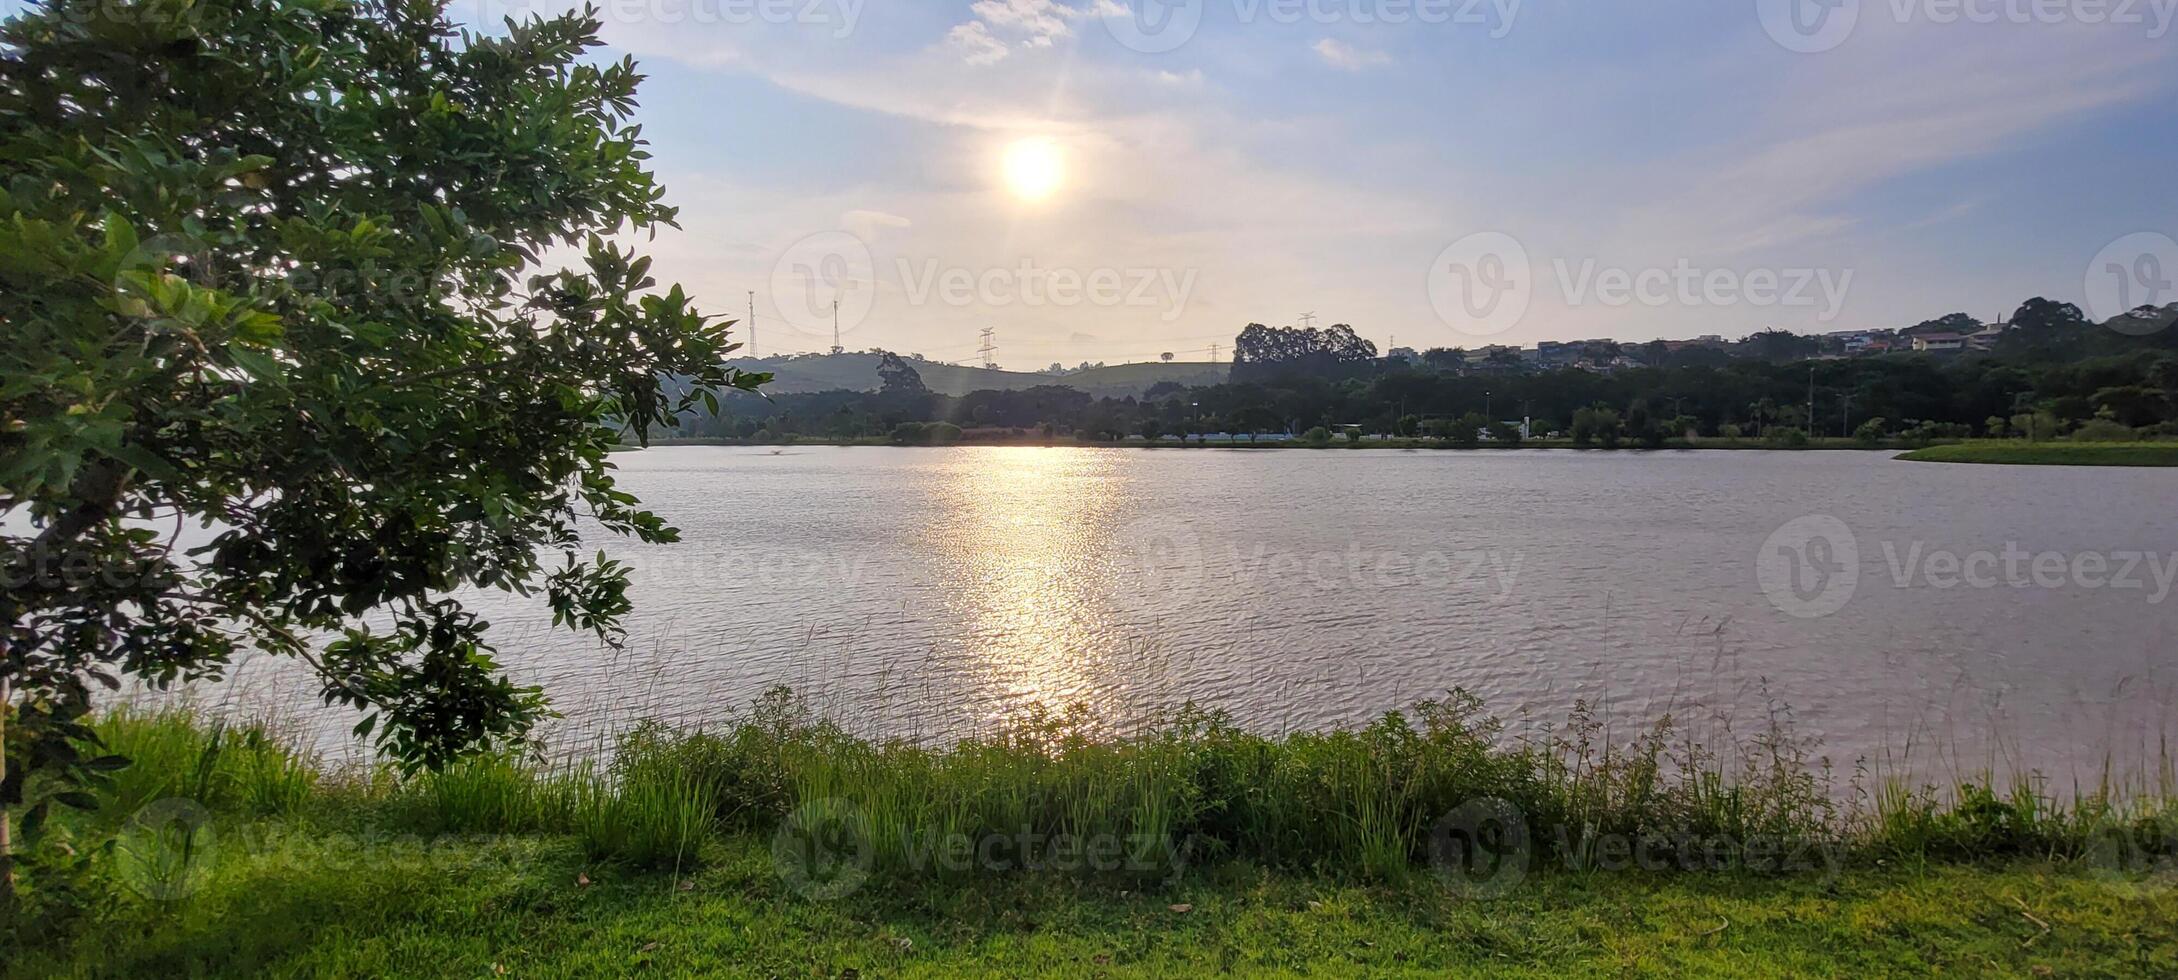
780 844
2051 453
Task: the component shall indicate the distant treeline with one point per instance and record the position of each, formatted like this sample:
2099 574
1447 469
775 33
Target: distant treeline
2051 373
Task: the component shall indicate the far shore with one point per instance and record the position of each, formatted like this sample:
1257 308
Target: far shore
1671 445
1981 451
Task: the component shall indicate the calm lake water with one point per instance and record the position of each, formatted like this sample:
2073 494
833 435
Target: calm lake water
928 592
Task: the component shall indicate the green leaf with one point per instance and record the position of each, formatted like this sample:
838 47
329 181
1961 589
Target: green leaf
260 366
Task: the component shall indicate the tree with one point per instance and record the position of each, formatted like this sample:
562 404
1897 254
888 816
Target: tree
894 375
1272 352
282 267
1451 360
1467 432
1596 424
1642 426
1254 420
1958 323
2131 405
1165 357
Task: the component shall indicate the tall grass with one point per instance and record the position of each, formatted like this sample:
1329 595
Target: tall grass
174 753
1360 802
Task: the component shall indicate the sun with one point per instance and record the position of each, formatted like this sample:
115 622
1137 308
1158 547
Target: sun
1034 168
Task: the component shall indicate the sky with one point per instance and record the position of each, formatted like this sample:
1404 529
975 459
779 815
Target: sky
1111 180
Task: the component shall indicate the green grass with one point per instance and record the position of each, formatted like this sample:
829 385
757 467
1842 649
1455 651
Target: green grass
2052 453
781 844
292 900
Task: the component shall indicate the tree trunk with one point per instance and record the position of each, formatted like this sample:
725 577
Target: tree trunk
7 840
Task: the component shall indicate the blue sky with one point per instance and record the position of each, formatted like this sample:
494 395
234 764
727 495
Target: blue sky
1309 157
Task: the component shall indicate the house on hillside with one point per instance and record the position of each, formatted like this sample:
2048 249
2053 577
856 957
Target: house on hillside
1938 342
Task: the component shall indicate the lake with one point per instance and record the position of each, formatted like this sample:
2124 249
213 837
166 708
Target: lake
1958 610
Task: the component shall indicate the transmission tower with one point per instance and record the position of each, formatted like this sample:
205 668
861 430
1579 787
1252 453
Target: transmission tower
752 323
1308 320
836 348
1213 353
989 349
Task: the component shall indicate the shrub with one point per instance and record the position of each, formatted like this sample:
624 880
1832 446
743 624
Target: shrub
1317 436
1785 435
2104 430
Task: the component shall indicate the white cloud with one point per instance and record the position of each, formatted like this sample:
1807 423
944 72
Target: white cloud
1037 23
867 225
976 45
1345 57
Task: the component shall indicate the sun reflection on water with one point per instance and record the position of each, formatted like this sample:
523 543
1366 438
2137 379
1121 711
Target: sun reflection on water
1028 529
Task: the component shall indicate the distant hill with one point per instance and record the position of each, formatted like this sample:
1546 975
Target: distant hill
858 372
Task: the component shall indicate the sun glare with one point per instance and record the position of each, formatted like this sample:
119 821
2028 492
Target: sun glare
1034 168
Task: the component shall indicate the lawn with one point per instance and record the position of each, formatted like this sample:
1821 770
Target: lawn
2052 453
292 900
